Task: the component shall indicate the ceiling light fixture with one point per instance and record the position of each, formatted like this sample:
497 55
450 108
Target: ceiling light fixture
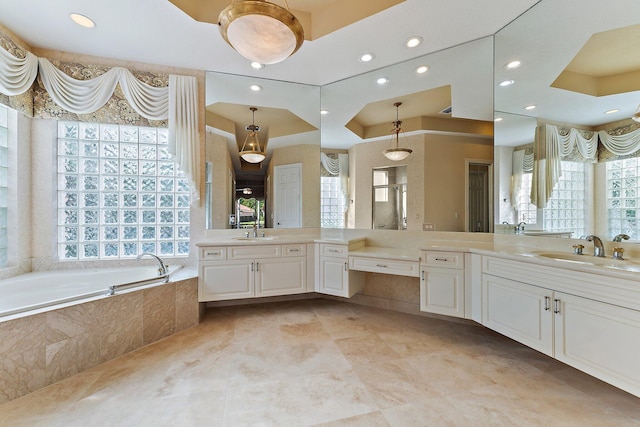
414 41
505 83
530 107
255 88
324 112
422 69
382 81
497 119
247 191
261 31
257 66
512 65
251 151
82 20
396 153
367 57
612 111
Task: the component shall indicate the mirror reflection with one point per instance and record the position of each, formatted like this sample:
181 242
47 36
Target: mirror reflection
262 153
438 109
566 139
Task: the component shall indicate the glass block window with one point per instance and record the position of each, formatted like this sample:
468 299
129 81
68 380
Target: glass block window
4 171
565 210
119 194
332 204
622 197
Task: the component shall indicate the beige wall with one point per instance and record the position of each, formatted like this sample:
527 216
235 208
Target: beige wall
444 177
309 156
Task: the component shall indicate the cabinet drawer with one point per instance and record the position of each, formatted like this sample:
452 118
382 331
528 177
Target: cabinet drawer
213 253
293 250
443 259
249 252
380 265
334 250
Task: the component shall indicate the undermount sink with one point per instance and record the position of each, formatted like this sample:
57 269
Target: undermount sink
622 264
255 239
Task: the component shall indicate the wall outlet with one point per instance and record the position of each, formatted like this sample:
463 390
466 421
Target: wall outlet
428 226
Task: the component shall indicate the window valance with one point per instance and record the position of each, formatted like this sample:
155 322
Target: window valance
177 102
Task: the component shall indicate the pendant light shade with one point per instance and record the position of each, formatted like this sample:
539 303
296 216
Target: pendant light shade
261 31
395 152
251 151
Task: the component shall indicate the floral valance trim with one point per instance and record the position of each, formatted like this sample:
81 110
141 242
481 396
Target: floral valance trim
177 102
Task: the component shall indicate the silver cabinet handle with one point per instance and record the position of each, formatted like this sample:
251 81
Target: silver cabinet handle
547 303
556 307
442 259
422 275
251 265
257 266
381 265
294 250
334 251
213 253
346 266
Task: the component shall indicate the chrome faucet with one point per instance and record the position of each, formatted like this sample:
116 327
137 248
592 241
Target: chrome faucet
255 230
163 270
520 227
598 247
620 237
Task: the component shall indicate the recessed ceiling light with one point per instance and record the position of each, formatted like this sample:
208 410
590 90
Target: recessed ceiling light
257 65
615 110
414 41
83 21
255 88
367 57
422 69
507 83
324 112
497 119
382 81
530 107
513 64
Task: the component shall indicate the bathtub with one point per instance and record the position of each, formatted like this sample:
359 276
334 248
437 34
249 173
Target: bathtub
42 289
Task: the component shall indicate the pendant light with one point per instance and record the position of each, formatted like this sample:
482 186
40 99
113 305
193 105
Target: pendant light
261 31
396 153
251 151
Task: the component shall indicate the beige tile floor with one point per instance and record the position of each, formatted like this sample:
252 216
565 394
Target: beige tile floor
328 363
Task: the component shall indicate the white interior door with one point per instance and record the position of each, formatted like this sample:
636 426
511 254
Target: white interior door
287 196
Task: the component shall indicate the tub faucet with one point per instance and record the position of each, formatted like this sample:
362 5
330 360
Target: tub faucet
620 237
598 247
163 270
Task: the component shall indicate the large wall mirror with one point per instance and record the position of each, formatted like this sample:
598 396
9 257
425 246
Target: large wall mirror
576 80
446 109
248 119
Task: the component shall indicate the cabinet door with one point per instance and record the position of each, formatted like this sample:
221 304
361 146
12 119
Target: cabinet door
333 276
442 291
600 339
225 280
280 276
521 312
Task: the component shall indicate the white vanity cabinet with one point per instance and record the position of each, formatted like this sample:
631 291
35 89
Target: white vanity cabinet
442 287
583 319
334 275
247 271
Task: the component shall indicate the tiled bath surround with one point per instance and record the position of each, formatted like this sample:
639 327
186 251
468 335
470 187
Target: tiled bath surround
41 349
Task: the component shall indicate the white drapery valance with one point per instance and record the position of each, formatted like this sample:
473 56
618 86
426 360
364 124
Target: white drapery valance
338 167
621 145
522 162
17 74
550 147
178 103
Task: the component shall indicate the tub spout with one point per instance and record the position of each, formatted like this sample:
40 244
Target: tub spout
162 267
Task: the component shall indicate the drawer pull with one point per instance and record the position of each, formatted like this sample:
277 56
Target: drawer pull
346 267
213 253
335 251
547 303
442 259
556 308
294 250
257 266
381 265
